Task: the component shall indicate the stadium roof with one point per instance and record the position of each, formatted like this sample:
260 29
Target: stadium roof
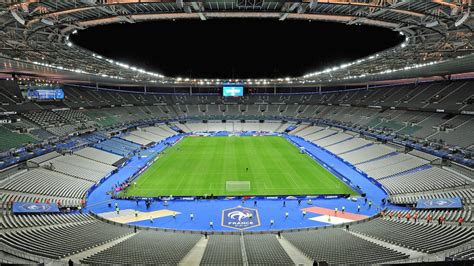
34 37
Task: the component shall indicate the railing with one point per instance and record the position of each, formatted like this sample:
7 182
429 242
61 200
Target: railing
211 232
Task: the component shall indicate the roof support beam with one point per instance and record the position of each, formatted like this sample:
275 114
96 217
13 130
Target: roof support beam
198 8
287 10
126 19
180 4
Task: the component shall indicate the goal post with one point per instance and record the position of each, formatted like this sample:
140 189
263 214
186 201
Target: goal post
237 186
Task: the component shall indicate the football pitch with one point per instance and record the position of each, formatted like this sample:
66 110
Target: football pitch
196 166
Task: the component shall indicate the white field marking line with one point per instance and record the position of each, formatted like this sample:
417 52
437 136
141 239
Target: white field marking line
204 189
222 185
219 172
161 157
143 180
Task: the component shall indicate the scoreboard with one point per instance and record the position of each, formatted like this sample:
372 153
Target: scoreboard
233 90
44 94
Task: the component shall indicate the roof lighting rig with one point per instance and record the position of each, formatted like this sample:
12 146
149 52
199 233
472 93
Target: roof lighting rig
436 33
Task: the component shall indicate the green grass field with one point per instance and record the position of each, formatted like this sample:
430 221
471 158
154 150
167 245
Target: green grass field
201 165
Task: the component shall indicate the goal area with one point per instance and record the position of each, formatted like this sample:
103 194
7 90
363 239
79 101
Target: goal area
237 186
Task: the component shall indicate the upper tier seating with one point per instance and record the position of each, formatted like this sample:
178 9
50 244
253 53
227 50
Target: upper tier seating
9 139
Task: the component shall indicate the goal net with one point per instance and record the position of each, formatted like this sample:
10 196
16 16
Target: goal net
237 186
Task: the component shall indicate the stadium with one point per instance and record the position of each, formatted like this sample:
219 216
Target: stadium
281 147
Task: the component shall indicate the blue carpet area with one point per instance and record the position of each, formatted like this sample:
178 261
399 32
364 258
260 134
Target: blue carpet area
212 210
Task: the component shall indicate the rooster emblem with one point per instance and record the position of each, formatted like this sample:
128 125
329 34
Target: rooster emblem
238 215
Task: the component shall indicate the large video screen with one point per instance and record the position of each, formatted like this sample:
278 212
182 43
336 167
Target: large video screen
45 94
233 90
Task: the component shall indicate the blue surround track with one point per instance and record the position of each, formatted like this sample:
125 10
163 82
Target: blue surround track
206 211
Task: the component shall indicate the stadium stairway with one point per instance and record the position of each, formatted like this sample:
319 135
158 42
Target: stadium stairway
194 256
298 257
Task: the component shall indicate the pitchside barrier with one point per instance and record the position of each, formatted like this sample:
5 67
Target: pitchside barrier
240 197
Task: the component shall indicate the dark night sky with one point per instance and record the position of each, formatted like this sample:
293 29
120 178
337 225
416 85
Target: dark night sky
235 48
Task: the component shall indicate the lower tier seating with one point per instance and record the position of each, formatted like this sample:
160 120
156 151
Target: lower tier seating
326 245
222 250
59 241
428 238
147 247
